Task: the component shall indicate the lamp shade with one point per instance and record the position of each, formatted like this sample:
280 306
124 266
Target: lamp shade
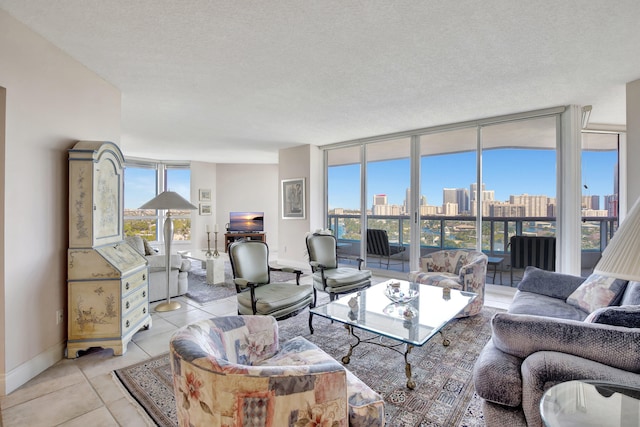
168 200
621 257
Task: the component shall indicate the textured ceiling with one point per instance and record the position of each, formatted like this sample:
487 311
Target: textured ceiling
234 81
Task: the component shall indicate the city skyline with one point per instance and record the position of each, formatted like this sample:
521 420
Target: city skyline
507 172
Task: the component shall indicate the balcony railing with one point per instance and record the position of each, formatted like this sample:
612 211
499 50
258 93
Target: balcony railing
457 232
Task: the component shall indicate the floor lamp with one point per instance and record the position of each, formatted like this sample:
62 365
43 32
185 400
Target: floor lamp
621 257
168 200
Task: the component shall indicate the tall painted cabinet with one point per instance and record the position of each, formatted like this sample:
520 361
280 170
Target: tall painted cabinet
107 280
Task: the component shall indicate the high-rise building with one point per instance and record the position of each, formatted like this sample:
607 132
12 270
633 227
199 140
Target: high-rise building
534 205
379 199
611 204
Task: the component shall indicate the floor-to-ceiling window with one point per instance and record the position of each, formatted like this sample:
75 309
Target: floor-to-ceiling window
519 171
448 190
143 180
600 159
388 194
343 198
492 178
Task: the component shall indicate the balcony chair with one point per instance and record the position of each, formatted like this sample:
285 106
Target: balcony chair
233 371
256 294
327 276
461 269
378 246
534 251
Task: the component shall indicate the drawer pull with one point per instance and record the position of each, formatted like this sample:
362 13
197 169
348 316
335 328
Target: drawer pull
127 324
144 294
144 310
144 277
127 305
126 286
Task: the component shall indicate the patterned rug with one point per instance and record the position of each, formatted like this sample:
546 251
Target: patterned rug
444 395
202 292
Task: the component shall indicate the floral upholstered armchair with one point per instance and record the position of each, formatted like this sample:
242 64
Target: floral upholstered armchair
232 371
460 269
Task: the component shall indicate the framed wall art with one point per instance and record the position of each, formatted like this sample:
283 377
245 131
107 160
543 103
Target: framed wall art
293 203
204 195
205 209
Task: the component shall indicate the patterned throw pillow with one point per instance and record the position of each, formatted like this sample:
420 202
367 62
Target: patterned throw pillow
596 292
626 316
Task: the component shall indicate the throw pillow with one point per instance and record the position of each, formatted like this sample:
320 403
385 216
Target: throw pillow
549 283
148 249
627 316
631 294
596 292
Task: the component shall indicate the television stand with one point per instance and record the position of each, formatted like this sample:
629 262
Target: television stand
229 238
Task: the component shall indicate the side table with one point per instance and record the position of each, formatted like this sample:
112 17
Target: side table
590 403
495 262
213 265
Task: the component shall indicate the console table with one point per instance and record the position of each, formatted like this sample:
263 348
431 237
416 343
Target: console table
229 238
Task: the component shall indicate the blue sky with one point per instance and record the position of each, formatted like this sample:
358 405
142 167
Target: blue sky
140 184
505 171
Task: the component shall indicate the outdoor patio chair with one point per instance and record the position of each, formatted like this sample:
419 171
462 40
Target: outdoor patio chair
378 246
256 294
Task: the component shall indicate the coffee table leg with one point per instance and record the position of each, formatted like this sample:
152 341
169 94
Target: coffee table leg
411 384
445 341
346 359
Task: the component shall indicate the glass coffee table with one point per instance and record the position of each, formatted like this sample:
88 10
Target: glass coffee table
411 323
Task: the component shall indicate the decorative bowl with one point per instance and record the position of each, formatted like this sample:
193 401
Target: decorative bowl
400 294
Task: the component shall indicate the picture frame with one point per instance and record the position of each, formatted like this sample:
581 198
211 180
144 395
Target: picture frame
204 194
205 209
293 198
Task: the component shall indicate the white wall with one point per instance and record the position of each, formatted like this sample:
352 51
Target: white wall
51 102
203 176
633 143
248 187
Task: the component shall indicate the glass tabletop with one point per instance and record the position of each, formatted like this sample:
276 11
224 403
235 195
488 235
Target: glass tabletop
590 403
413 323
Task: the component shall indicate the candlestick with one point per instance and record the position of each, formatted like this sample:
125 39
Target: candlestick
206 228
215 252
208 243
215 228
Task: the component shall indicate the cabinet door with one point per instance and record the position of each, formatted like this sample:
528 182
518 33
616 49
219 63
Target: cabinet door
94 309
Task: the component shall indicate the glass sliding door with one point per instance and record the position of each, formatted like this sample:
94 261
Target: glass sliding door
448 190
388 173
519 168
600 153
344 200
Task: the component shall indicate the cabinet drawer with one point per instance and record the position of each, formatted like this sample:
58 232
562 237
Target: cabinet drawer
131 321
133 281
134 299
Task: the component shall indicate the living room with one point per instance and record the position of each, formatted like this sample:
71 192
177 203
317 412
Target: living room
48 101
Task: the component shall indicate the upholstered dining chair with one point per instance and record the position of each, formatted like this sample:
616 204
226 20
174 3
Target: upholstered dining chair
255 292
327 275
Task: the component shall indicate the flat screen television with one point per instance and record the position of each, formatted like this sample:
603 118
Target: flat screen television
246 222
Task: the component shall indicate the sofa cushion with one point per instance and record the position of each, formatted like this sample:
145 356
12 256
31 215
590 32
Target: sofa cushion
549 283
136 243
541 305
148 249
521 336
440 279
596 291
627 316
631 294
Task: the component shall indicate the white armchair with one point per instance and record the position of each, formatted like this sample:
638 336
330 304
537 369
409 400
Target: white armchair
178 281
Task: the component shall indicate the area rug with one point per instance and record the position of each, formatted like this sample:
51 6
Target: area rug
203 293
444 395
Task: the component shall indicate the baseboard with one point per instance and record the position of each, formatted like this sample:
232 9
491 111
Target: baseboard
28 370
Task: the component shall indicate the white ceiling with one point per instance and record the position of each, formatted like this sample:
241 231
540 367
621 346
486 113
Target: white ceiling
234 81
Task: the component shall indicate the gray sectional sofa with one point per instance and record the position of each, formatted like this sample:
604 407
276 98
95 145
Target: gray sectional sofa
558 328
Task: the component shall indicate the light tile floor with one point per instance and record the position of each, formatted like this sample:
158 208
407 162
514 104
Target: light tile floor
83 391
